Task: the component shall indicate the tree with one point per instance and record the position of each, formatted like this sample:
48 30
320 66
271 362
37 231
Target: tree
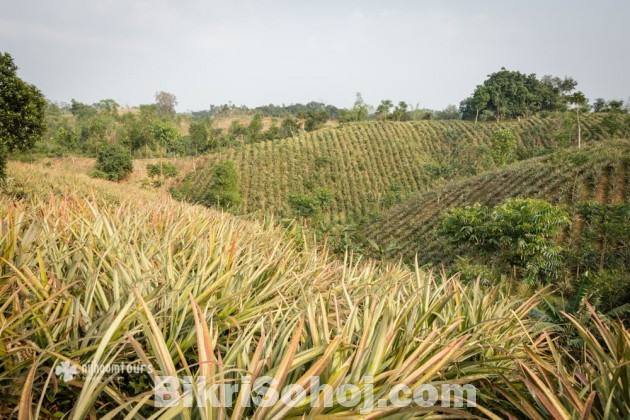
313 120
512 94
198 134
224 188
382 111
360 109
255 127
289 126
165 136
599 105
22 108
451 112
579 101
166 102
475 105
113 162
400 112
515 237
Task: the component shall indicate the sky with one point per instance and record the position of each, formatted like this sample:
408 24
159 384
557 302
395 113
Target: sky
428 53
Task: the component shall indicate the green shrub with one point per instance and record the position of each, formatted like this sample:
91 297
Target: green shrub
303 205
516 237
113 163
224 187
503 146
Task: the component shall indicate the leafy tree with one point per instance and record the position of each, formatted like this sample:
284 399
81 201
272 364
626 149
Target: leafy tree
400 112
515 237
113 162
22 109
165 136
512 94
360 109
382 111
599 105
108 106
273 132
289 126
66 138
313 120
198 133
303 205
237 131
81 110
223 191
451 112
255 128
615 105
166 102
503 147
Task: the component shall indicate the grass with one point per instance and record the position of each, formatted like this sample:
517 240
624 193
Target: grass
92 273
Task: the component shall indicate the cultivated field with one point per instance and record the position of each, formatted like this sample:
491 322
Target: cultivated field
599 172
364 164
93 274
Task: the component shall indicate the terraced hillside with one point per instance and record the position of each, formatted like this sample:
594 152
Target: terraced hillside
367 166
599 172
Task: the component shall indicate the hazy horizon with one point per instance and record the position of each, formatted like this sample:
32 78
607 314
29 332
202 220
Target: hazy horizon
254 53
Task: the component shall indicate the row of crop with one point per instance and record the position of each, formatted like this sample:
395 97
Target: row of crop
412 226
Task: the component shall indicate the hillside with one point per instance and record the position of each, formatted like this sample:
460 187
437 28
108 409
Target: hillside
599 172
367 167
95 275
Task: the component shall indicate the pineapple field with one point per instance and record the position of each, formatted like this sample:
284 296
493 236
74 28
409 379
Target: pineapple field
95 275
597 173
310 222
364 168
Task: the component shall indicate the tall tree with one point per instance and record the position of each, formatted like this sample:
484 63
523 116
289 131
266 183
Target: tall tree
382 111
512 94
400 112
360 109
166 102
22 108
579 101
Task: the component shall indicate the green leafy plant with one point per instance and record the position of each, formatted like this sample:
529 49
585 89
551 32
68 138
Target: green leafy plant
517 235
113 163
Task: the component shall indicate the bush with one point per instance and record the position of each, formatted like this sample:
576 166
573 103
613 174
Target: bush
303 204
224 188
113 163
503 146
516 237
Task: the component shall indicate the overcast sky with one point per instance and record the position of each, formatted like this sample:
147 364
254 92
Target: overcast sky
430 53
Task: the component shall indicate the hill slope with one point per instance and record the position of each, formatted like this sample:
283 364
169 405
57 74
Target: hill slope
367 166
598 172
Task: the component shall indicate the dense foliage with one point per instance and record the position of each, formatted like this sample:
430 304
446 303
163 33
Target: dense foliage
512 94
516 238
113 163
21 112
